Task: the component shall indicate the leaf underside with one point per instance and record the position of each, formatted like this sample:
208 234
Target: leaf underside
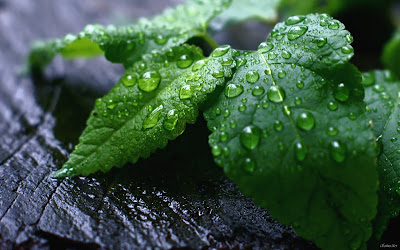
128 43
383 100
150 105
291 130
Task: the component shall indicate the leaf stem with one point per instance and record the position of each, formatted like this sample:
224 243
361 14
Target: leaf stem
210 40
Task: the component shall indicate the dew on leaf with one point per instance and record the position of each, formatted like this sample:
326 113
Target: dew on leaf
218 74
286 54
223 136
300 84
300 151
296 32
111 104
332 105
258 90
333 25
297 100
221 51
184 62
242 107
378 88
250 137
227 62
338 151
294 20
278 125
368 78
321 41
347 49
276 94
149 81
233 90
216 150
129 80
265 47
249 165
160 39
185 92
153 117
171 120
281 74
198 65
332 131
252 76
341 92
306 121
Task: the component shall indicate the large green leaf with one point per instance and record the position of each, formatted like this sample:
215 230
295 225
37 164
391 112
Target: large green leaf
244 10
150 105
291 130
391 54
128 43
382 95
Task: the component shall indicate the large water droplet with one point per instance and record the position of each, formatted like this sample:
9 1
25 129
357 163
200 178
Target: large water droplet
338 151
294 20
321 41
306 121
216 150
332 131
368 78
160 39
218 74
332 105
149 81
333 25
171 120
281 74
250 137
341 92
276 94
258 90
265 47
347 49
286 54
185 92
129 80
252 76
221 51
152 119
198 65
111 104
296 32
184 62
301 151
233 90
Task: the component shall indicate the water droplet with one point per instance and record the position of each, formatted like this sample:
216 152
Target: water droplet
281 74
306 121
152 119
198 65
384 96
111 104
223 136
286 54
349 38
185 92
216 150
296 32
149 81
332 105
160 40
300 84
378 88
272 55
265 47
221 51
258 90
321 41
250 137
393 139
278 125
294 20
249 165
347 49
252 76
242 107
227 62
332 131
333 25
352 116
338 151
240 62
297 100
276 94
218 74
341 92
129 80
301 151
171 120
184 62
233 90
368 78
217 111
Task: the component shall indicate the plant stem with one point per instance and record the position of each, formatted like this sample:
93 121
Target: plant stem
210 41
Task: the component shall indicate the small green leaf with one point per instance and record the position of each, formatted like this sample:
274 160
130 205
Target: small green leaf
382 95
391 54
128 43
297 138
150 105
244 10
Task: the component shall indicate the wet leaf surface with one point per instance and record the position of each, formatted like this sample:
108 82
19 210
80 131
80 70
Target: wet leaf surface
177 198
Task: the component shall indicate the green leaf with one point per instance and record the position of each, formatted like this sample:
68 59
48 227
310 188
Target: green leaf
290 129
128 43
244 10
391 54
382 95
150 105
